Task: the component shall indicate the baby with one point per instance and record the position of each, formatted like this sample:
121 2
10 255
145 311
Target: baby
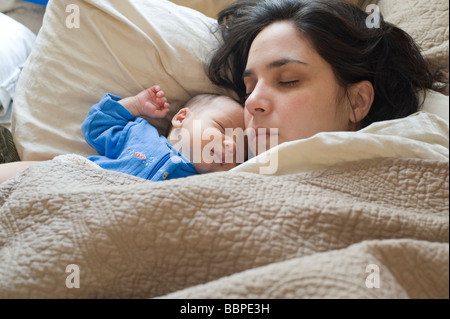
207 135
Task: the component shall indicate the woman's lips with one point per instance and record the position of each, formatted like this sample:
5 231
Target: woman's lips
261 139
261 133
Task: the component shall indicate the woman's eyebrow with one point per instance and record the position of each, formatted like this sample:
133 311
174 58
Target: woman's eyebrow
284 61
275 64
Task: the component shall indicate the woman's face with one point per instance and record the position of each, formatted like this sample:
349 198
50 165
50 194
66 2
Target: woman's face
290 88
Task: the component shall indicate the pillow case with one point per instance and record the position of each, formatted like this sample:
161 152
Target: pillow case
87 48
436 103
208 7
6 5
16 45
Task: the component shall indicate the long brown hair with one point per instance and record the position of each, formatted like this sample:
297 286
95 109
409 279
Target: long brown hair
385 55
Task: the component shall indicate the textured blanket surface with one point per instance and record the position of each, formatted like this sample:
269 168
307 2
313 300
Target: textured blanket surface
375 229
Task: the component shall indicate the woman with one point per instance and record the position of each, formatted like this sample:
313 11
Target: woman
305 67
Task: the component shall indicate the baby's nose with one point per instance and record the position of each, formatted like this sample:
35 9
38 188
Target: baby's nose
230 149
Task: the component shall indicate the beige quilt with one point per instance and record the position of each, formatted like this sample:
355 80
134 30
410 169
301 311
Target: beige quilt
368 229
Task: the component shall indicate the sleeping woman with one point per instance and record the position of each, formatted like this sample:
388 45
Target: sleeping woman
306 67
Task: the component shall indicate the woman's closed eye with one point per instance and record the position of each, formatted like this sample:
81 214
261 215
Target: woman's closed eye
289 83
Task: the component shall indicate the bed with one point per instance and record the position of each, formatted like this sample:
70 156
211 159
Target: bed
339 215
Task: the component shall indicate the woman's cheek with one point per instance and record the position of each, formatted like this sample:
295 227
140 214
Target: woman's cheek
247 118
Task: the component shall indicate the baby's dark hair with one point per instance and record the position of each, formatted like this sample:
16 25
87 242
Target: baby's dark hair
201 101
386 55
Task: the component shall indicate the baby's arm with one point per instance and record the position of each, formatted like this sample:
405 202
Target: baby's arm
150 102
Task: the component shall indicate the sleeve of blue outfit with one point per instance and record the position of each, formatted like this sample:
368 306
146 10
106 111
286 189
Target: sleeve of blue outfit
41 2
106 126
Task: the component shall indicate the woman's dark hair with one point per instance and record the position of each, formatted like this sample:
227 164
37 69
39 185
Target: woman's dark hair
384 55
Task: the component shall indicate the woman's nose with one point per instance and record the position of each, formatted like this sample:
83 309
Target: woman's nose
259 102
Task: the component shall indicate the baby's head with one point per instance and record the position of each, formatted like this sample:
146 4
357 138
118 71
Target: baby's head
209 131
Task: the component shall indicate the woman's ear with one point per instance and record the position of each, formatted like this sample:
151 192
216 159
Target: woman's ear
178 119
361 99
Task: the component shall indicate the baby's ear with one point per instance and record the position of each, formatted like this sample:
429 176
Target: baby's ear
178 119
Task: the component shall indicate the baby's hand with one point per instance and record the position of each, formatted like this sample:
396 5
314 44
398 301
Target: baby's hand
150 102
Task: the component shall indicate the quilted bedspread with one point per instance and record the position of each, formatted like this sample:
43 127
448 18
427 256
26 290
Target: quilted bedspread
375 228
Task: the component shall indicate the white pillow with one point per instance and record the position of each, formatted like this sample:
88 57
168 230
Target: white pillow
16 42
121 47
436 103
208 7
6 5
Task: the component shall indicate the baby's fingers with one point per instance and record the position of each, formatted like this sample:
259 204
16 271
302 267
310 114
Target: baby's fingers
162 100
160 94
157 91
162 112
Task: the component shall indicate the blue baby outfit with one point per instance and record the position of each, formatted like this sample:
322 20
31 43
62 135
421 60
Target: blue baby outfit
130 144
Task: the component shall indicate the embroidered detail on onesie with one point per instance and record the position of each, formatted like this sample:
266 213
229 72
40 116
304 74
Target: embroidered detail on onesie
141 156
165 175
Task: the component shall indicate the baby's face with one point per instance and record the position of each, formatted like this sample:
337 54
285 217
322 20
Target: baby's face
217 136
